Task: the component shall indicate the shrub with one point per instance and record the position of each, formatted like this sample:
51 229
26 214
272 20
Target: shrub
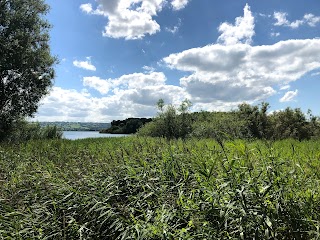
171 123
22 130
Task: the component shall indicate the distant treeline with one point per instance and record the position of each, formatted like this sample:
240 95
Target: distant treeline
246 122
77 126
127 126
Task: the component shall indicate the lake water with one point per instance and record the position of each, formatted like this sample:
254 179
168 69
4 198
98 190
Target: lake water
73 135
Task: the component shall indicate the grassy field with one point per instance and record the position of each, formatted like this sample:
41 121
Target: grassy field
143 188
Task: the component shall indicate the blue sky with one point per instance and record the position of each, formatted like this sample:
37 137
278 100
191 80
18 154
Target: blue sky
118 57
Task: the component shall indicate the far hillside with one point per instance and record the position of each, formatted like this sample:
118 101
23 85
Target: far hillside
77 126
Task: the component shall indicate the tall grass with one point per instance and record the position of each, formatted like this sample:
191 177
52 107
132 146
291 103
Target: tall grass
144 188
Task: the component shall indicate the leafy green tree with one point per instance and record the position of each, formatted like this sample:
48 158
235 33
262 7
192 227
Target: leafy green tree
291 123
185 106
26 64
160 104
170 123
219 125
25 131
246 122
256 118
185 125
314 124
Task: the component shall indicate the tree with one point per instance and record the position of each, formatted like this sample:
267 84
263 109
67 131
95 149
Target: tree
292 123
256 117
219 125
160 104
185 118
26 64
171 122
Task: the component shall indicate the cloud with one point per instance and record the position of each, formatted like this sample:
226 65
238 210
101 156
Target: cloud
66 105
315 74
264 15
281 18
247 73
275 34
150 95
138 88
179 4
224 91
102 86
241 32
132 95
289 96
172 30
285 87
129 81
308 19
87 8
311 20
130 19
175 28
87 65
148 69
233 71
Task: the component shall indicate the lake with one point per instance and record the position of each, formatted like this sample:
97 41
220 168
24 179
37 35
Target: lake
73 135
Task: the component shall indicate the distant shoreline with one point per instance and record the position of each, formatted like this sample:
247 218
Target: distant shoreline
77 126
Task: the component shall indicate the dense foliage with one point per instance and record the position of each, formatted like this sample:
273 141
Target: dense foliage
170 122
151 188
22 131
26 65
127 126
243 123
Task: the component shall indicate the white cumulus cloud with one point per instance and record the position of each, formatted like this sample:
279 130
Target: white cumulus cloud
87 8
308 19
101 85
281 18
242 72
129 81
285 87
131 95
138 88
179 4
148 69
289 96
87 65
240 32
233 71
130 19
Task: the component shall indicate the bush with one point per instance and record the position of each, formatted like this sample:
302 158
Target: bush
292 123
220 126
21 131
245 122
171 123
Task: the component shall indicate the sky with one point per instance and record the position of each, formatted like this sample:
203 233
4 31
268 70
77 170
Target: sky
117 58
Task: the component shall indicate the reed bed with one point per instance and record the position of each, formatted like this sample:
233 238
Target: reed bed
151 188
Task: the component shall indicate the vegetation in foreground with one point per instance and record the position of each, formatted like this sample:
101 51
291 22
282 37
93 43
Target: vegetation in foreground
151 188
22 131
